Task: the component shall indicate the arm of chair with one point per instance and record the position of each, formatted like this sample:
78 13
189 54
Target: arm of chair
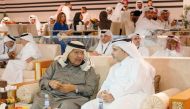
40 67
159 100
25 83
25 91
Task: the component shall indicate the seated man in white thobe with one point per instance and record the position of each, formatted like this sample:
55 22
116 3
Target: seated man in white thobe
136 39
172 48
14 70
7 47
145 26
105 44
125 86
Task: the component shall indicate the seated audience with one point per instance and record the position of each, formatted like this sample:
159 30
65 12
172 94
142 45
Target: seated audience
33 19
104 23
125 86
14 70
60 27
105 43
146 31
7 47
77 20
69 81
172 48
136 39
163 19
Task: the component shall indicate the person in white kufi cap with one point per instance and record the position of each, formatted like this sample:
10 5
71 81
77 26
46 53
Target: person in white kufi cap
105 43
124 85
137 40
14 70
7 47
69 81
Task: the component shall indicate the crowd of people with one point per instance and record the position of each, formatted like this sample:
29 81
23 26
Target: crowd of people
71 81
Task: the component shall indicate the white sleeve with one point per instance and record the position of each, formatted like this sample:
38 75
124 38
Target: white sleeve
132 85
4 56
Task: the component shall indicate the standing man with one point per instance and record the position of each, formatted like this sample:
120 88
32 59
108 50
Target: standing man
70 81
67 10
124 86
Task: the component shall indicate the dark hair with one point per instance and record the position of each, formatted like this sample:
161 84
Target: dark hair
77 19
59 17
84 8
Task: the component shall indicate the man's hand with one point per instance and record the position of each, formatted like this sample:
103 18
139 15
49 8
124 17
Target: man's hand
106 96
55 84
29 59
66 88
12 55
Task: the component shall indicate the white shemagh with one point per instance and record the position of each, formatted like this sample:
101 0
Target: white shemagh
62 59
132 51
38 24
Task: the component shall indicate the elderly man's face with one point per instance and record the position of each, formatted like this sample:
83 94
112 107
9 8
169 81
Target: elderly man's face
76 56
9 44
136 40
105 38
118 54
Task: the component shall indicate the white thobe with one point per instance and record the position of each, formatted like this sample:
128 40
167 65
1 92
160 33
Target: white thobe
164 24
126 82
14 70
143 51
116 16
126 24
104 49
146 27
4 50
86 17
67 11
167 53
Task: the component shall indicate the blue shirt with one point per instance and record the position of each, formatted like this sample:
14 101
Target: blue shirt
59 26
